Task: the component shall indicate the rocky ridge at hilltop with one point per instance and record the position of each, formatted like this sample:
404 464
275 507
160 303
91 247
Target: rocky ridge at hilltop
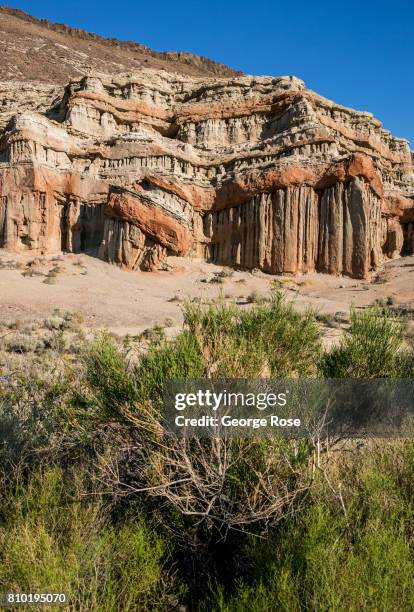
256 172
40 51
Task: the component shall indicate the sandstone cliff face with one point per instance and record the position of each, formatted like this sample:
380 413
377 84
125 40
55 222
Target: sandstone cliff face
257 172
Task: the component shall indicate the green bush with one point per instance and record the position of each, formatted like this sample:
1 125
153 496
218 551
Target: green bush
54 538
371 348
219 340
108 376
270 339
319 569
180 358
326 559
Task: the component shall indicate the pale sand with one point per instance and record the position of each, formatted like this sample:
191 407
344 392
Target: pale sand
130 302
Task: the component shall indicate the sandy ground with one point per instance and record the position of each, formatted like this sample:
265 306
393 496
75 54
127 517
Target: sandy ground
130 302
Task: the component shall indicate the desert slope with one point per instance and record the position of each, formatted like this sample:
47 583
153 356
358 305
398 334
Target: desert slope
42 51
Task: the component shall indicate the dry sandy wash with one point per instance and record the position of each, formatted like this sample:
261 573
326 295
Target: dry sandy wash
130 302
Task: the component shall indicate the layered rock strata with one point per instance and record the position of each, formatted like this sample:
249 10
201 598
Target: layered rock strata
256 172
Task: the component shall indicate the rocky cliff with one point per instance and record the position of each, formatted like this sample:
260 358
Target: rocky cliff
256 172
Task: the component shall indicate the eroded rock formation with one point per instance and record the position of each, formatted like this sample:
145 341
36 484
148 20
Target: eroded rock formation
257 172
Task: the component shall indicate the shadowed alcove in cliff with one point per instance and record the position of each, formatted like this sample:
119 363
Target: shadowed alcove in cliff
87 233
81 227
64 227
408 234
3 215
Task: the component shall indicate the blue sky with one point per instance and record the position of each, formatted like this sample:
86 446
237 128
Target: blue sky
358 53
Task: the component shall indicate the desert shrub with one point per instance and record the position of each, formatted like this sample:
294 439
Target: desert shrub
219 339
54 537
254 523
153 334
270 339
291 340
55 322
371 348
37 402
108 375
50 279
226 273
253 297
258 479
114 384
326 559
180 358
316 567
22 343
66 320
223 484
